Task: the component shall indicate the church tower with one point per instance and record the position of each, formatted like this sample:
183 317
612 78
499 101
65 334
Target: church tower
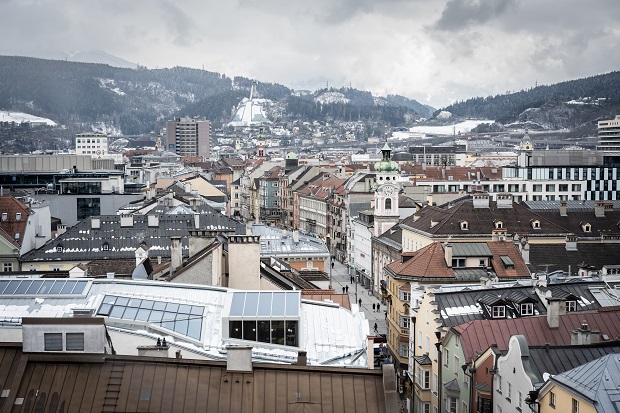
386 194
261 146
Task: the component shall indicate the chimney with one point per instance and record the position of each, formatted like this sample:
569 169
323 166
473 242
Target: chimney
584 335
481 201
571 243
370 350
110 275
61 229
447 250
153 221
126 221
599 209
239 359
244 262
196 221
525 250
176 253
563 208
554 308
302 358
95 222
504 200
296 236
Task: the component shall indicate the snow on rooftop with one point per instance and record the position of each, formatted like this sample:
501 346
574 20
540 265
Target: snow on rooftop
457 128
19 117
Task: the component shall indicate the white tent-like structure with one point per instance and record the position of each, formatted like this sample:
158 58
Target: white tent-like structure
250 111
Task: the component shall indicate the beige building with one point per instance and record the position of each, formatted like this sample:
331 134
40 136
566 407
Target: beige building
189 137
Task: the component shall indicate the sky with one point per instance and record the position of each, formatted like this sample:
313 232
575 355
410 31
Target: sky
435 51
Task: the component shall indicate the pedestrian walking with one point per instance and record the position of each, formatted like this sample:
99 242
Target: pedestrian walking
378 307
373 307
351 279
360 301
376 328
385 314
343 290
346 289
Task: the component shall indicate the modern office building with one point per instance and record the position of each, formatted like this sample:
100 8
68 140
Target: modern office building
609 134
189 137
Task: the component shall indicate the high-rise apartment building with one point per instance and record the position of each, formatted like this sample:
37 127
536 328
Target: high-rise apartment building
609 134
189 137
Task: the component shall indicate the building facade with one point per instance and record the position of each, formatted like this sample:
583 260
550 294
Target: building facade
189 137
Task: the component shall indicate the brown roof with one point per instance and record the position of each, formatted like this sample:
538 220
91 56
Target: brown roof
478 335
458 173
428 262
516 220
70 383
11 226
507 249
322 295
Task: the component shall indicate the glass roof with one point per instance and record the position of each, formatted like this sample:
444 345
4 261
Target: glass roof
181 318
43 287
265 304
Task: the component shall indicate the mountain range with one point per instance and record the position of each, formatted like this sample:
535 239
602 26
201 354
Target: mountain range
133 100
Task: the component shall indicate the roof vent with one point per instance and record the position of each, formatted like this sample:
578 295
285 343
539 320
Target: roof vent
83 312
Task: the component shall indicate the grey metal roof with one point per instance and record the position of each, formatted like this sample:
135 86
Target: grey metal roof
275 242
471 249
458 307
82 242
356 208
555 360
571 206
598 380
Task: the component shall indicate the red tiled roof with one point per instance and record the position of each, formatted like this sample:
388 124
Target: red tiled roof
11 226
508 249
477 335
428 262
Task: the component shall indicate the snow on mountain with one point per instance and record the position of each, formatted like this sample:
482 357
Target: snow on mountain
19 117
456 129
331 97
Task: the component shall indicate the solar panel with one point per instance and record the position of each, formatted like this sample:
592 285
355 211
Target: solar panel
43 287
181 318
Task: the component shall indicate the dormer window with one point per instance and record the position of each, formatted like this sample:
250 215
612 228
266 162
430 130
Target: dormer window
527 309
18 216
499 224
536 224
586 227
571 306
508 262
5 216
464 225
458 262
105 247
499 311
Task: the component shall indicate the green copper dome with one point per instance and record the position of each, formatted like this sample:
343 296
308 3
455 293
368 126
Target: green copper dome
386 164
291 155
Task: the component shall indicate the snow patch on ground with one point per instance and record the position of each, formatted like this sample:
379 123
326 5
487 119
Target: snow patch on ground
19 117
457 128
331 97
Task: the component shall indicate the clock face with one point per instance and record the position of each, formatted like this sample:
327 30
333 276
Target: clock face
388 190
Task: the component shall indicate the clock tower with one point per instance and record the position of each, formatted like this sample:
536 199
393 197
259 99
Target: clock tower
386 193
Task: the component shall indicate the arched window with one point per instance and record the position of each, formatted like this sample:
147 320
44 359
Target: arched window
388 204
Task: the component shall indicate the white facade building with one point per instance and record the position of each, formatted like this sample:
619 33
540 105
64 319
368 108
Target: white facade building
93 144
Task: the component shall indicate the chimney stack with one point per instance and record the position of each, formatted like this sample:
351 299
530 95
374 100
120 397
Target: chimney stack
555 307
176 253
571 243
447 250
481 201
302 358
584 335
95 222
563 208
239 359
599 209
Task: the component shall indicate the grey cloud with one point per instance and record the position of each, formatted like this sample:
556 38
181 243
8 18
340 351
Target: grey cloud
460 14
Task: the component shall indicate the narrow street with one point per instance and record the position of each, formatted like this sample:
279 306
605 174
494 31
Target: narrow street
341 278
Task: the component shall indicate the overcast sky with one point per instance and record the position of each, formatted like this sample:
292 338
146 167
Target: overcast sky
430 50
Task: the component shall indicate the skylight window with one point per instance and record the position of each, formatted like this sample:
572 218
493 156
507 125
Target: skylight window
267 317
181 318
42 287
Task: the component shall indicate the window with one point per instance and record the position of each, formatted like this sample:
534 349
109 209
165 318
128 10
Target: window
536 224
447 358
426 408
424 379
499 311
509 395
575 406
435 382
576 187
88 207
527 309
483 263
388 204
550 188
420 338
403 350
452 402
537 188
5 216
586 227
457 366
499 225
403 322
499 383
7 267
59 248
75 341
53 341
464 225
18 216
520 400
552 399
105 246
563 187
458 262
571 306
405 296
